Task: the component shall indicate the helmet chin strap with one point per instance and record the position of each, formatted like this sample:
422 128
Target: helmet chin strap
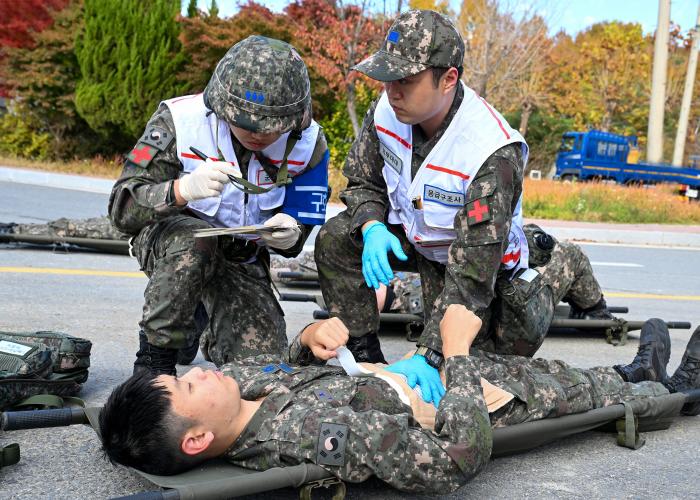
283 177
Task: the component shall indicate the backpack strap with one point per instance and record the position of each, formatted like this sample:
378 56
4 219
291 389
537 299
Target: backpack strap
49 401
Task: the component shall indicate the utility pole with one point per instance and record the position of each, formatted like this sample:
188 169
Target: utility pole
655 134
687 95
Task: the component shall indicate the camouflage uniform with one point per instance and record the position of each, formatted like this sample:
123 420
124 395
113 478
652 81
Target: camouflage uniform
99 228
230 276
377 434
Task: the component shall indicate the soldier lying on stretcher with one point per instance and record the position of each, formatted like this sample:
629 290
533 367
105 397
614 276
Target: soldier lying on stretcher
263 413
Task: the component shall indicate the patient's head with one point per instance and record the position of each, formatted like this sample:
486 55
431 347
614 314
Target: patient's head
166 425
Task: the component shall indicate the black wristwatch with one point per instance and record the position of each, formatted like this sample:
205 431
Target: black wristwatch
433 358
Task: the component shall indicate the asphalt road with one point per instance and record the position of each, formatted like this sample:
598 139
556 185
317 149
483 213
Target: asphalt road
40 290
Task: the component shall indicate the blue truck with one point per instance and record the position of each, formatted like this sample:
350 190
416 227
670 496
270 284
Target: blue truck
597 155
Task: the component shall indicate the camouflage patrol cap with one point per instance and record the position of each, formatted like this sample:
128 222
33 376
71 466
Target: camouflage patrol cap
418 40
261 85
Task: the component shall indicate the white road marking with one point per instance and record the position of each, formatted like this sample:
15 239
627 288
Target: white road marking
616 264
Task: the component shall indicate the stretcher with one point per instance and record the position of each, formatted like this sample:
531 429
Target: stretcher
614 330
218 479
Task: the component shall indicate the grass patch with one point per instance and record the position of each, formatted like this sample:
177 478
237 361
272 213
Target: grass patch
95 167
597 202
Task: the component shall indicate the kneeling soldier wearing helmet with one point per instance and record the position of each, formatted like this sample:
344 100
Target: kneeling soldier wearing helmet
244 152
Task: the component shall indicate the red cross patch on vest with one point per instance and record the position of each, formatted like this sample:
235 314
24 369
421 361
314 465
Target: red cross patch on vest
478 211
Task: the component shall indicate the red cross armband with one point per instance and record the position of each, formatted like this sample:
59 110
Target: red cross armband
141 155
153 140
478 211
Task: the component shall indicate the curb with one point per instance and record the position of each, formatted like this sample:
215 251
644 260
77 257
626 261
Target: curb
626 234
54 180
625 237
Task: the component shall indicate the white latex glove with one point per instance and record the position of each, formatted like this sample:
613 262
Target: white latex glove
207 180
282 238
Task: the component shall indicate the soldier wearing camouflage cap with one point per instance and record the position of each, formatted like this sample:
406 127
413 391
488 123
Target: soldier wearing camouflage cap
246 151
434 186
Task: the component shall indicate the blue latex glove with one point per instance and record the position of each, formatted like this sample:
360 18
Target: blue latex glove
418 371
375 263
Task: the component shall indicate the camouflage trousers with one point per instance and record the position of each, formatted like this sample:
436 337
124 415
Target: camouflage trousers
523 310
245 318
99 228
517 320
551 388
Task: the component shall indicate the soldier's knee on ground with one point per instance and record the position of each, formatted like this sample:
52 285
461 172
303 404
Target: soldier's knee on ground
524 313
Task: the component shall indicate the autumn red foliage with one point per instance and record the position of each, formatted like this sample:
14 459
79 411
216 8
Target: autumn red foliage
20 20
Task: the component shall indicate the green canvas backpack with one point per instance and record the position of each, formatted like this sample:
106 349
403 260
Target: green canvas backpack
41 363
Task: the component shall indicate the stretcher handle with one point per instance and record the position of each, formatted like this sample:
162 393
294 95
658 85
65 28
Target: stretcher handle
34 419
297 297
680 325
584 324
296 275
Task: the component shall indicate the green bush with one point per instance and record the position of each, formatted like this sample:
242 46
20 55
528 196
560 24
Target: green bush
129 56
18 136
340 135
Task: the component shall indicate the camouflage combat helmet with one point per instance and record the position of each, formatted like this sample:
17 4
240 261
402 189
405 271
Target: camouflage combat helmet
418 40
261 85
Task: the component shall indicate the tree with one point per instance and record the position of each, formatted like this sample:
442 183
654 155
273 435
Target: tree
602 77
44 77
206 40
20 20
129 57
500 46
529 90
213 10
192 9
333 37
442 6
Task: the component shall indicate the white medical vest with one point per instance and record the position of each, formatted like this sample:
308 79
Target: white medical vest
194 128
475 133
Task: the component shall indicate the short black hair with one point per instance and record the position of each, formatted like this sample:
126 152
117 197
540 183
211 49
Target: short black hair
438 72
139 428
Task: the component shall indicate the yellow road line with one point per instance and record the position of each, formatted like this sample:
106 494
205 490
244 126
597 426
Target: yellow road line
74 272
126 274
630 295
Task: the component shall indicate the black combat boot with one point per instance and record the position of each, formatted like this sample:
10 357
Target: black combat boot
652 355
187 354
598 311
366 349
687 375
154 360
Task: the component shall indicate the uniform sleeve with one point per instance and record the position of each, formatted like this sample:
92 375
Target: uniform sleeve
409 458
142 194
481 239
365 196
301 355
